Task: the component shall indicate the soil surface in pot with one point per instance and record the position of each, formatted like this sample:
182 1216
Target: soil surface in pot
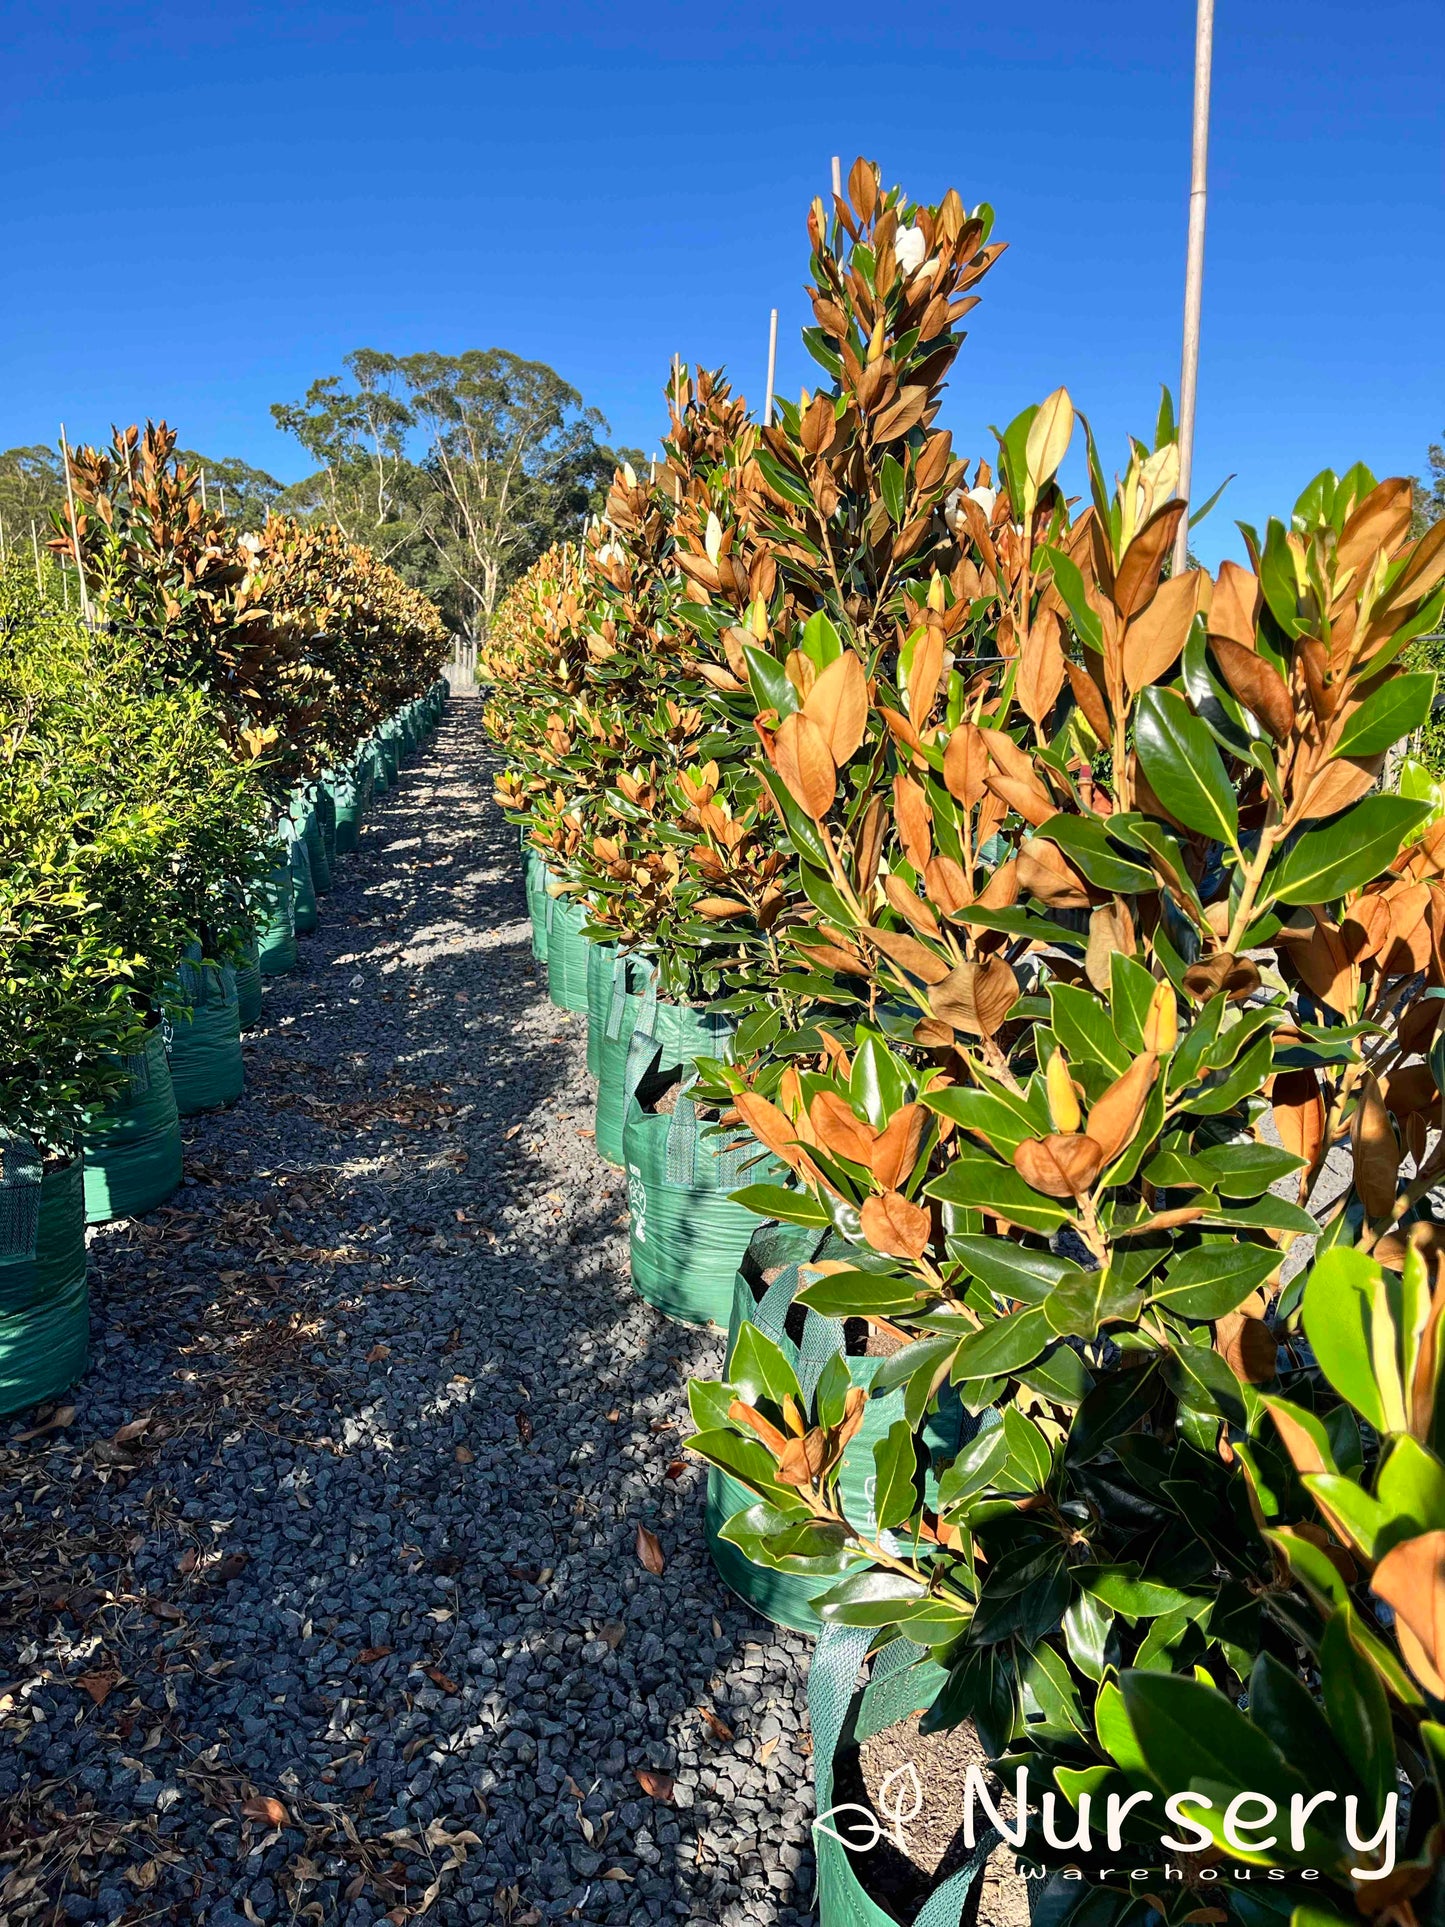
900 1880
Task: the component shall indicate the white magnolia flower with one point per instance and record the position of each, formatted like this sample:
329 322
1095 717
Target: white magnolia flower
985 497
909 247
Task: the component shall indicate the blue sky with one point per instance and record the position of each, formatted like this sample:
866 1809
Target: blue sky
204 208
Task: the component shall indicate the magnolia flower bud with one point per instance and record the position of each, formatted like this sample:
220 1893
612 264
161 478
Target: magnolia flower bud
935 593
1063 1099
909 249
1161 1026
985 497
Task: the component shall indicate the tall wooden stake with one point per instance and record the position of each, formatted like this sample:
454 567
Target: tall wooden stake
837 178
203 491
772 368
35 545
74 527
1194 269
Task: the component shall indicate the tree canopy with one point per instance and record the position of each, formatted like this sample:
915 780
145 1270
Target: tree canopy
459 469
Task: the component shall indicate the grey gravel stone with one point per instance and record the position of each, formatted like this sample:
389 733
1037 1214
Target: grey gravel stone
400 1240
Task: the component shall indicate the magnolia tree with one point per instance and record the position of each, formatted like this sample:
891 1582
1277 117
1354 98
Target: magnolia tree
1069 934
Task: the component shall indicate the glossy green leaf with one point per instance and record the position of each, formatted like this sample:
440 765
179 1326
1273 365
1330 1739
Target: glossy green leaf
1085 841
1184 767
1396 708
1012 1270
1244 1170
868 1599
895 1456
762 1370
1213 1279
1345 853
983 1182
1082 1026
1082 1305
777 1201
1003 1346
1338 1322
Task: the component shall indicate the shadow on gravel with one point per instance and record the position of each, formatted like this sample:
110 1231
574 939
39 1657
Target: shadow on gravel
328 1600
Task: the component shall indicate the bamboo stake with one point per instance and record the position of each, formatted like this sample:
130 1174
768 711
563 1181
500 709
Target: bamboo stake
35 545
74 526
1194 268
222 487
203 491
772 368
3 550
837 178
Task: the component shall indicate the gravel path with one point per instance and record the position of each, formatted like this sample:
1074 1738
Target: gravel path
321 1597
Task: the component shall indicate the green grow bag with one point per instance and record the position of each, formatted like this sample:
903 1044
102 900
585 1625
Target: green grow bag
44 1300
316 854
687 1236
133 1142
390 757
346 799
904 1680
765 1301
601 959
248 986
535 877
567 950
631 978
205 1041
304 910
276 921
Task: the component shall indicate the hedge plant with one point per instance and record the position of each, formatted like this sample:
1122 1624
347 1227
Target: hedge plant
127 832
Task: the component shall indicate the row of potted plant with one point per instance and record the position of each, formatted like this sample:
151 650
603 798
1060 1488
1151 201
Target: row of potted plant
1048 993
184 755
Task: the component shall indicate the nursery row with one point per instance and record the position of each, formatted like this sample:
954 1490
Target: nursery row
186 753
1015 1002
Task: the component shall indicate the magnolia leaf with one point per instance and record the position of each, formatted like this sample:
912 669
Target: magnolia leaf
1184 767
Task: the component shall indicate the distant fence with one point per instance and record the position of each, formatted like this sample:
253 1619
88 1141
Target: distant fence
461 671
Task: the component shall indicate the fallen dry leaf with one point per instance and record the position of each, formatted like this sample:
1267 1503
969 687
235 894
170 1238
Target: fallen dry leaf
767 1750
64 1415
232 1566
649 1550
612 1634
613 1416
463 1455
369 1655
676 1469
261 1806
658 1786
377 1353
719 1729
98 1685
524 1427
439 1678
131 1431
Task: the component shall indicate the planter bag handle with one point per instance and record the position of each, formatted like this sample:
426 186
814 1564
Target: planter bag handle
684 1131
904 1680
618 1003
21 1172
